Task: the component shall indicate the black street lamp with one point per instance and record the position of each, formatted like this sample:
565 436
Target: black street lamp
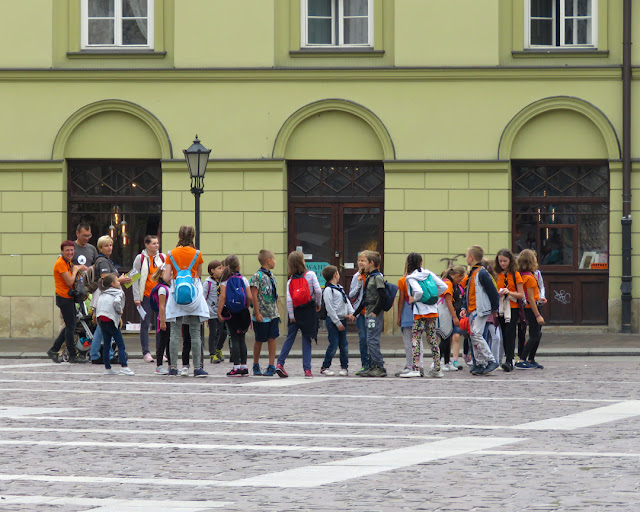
197 157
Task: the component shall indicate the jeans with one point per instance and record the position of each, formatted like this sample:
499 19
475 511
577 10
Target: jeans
194 332
68 310
373 341
337 338
481 352
111 331
144 325
96 342
292 331
362 336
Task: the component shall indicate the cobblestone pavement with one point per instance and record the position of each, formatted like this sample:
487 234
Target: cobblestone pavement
562 438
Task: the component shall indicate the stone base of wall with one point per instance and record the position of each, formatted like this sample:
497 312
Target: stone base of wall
29 317
615 315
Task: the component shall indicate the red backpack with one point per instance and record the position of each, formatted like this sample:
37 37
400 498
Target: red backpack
299 290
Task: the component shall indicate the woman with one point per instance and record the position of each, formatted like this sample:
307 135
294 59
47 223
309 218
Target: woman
147 263
194 313
104 266
64 277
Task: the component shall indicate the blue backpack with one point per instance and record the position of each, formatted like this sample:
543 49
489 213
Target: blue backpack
390 291
184 291
236 300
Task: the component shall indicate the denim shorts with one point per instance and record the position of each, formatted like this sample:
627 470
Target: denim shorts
456 330
266 330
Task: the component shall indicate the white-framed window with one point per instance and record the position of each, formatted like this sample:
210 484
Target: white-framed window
117 24
338 23
561 23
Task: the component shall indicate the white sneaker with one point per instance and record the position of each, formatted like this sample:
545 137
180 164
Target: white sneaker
185 371
327 372
110 371
438 375
148 358
161 370
343 373
126 371
410 373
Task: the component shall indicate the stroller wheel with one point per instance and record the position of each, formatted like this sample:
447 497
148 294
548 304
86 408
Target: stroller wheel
64 355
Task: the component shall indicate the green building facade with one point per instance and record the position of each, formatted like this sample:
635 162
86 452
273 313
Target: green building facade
335 126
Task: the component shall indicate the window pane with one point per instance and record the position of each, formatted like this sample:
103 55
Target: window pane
541 8
568 32
319 8
356 31
542 32
584 7
319 31
101 32
568 7
356 7
593 237
313 233
134 8
134 32
361 231
101 8
557 246
584 31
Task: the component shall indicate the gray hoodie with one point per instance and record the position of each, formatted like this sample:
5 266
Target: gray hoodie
111 304
337 308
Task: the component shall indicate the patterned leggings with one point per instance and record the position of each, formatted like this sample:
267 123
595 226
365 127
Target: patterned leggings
428 326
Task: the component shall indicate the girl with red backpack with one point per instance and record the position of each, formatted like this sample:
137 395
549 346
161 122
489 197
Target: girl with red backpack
233 309
304 297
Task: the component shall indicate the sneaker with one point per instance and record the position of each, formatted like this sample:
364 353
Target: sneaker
235 372
507 367
327 372
524 365
364 372
308 374
125 370
270 371
536 365
457 365
491 367
185 371
148 358
378 372
199 373
161 370
364 369
343 372
478 370
403 371
280 371
436 374
78 360
53 355
445 367
256 370
219 357
173 372
409 374
110 371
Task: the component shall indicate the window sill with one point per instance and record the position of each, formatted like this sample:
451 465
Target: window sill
116 54
336 52
559 52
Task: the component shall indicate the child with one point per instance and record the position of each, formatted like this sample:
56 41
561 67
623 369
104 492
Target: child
425 316
405 322
480 300
522 325
303 304
356 292
266 318
339 309
108 313
372 302
528 264
449 317
235 295
217 330
492 331
511 293
159 294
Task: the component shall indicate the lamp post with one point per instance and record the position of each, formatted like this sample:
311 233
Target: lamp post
197 157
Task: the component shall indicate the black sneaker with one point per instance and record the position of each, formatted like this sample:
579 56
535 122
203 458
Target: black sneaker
96 361
536 365
378 372
78 360
507 367
53 355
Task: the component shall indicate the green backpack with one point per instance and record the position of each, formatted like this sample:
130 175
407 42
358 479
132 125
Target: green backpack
429 291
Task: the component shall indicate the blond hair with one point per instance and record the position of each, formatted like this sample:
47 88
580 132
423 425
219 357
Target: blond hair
104 240
477 252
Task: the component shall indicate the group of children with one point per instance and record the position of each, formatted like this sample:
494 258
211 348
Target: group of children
485 304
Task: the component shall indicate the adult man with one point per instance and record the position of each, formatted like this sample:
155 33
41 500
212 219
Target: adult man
84 253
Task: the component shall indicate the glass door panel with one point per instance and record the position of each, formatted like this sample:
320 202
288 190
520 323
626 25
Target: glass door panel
313 235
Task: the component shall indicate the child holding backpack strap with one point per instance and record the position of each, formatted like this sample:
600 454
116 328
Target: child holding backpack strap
235 297
304 297
424 288
186 303
158 303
